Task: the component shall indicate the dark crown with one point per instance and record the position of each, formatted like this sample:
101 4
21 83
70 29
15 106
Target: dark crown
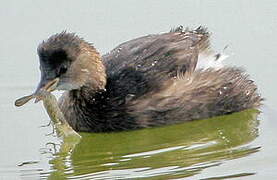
62 45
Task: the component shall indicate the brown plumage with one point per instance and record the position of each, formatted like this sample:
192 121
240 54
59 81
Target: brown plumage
149 81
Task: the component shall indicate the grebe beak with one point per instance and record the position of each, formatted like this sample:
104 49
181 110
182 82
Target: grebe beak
45 86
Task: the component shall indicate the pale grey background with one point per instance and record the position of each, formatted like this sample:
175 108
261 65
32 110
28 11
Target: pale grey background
247 26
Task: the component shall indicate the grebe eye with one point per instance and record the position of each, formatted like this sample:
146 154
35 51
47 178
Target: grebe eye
63 70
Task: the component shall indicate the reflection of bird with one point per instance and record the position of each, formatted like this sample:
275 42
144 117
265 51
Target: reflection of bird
149 81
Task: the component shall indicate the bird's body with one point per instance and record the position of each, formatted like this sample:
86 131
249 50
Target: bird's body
149 81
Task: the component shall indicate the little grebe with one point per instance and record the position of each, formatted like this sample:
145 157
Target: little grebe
149 81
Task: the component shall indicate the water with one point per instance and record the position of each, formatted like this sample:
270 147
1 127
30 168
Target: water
241 145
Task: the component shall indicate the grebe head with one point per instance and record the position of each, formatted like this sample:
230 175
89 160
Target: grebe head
67 62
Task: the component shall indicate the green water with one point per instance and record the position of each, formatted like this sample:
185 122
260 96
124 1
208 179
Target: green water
165 152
